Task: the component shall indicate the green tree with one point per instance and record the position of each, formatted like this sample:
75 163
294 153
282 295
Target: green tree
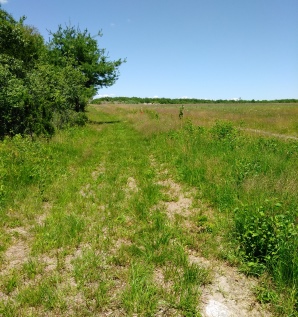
20 42
21 48
79 48
47 86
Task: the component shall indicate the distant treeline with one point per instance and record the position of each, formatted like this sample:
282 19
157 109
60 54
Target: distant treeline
137 100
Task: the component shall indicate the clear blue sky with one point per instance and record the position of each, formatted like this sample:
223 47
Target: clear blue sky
214 49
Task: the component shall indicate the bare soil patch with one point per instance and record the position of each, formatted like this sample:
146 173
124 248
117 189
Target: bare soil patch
16 254
230 294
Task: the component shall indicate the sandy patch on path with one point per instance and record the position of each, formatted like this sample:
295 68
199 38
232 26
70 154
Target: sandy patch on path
16 254
230 294
179 203
271 134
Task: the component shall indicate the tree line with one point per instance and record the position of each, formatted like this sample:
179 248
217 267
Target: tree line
138 100
45 86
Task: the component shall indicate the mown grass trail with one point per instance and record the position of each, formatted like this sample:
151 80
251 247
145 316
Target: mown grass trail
85 233
250 181
106 220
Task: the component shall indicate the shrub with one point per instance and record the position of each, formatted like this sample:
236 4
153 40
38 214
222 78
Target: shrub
223 130
268 236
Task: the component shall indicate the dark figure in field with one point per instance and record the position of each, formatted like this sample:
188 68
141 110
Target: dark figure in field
181 112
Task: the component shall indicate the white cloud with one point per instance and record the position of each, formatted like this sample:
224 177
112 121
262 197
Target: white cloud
3 1
185 97
106 95
155 96
112 24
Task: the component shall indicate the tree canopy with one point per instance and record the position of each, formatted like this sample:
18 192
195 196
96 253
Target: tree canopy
79 48
45 86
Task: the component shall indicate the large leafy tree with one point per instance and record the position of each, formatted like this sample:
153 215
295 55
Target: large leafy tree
19 41
47 86
79 48
21 47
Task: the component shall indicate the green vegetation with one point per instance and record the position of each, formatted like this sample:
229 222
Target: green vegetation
163 101
46 86
251 180
114 216
84 211
272 117
90 225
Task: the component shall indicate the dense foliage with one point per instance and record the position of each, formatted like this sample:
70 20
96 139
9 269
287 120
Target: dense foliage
252 181
44 86
138 100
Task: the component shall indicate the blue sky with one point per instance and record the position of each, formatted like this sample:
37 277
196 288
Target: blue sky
213 49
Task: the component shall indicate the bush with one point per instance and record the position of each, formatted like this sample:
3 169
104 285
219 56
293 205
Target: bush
268 238
43 85
223 130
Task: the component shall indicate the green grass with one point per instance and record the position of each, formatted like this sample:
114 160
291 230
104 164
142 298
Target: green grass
89 212
272 117
253 183
249 179
86 204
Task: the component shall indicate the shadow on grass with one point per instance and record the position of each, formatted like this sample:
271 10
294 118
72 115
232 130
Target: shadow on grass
104 122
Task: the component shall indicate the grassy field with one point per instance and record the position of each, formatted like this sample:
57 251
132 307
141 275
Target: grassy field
274 118
115 218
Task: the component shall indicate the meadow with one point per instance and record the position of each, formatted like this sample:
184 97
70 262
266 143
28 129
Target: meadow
117 217
273 117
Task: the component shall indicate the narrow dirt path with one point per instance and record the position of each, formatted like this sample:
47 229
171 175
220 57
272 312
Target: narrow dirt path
131 245
271 134
230 294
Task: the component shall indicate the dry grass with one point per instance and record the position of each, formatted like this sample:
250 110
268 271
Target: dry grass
274 118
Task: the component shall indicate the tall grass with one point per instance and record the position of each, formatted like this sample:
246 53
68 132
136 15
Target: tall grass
83 208
251 180
105 243
273 117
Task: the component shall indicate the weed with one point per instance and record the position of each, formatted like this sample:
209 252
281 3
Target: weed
268 239
8 309
152 114
203 224
31 268
181 112
223 130
44 294
266 295
10 282
141 295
